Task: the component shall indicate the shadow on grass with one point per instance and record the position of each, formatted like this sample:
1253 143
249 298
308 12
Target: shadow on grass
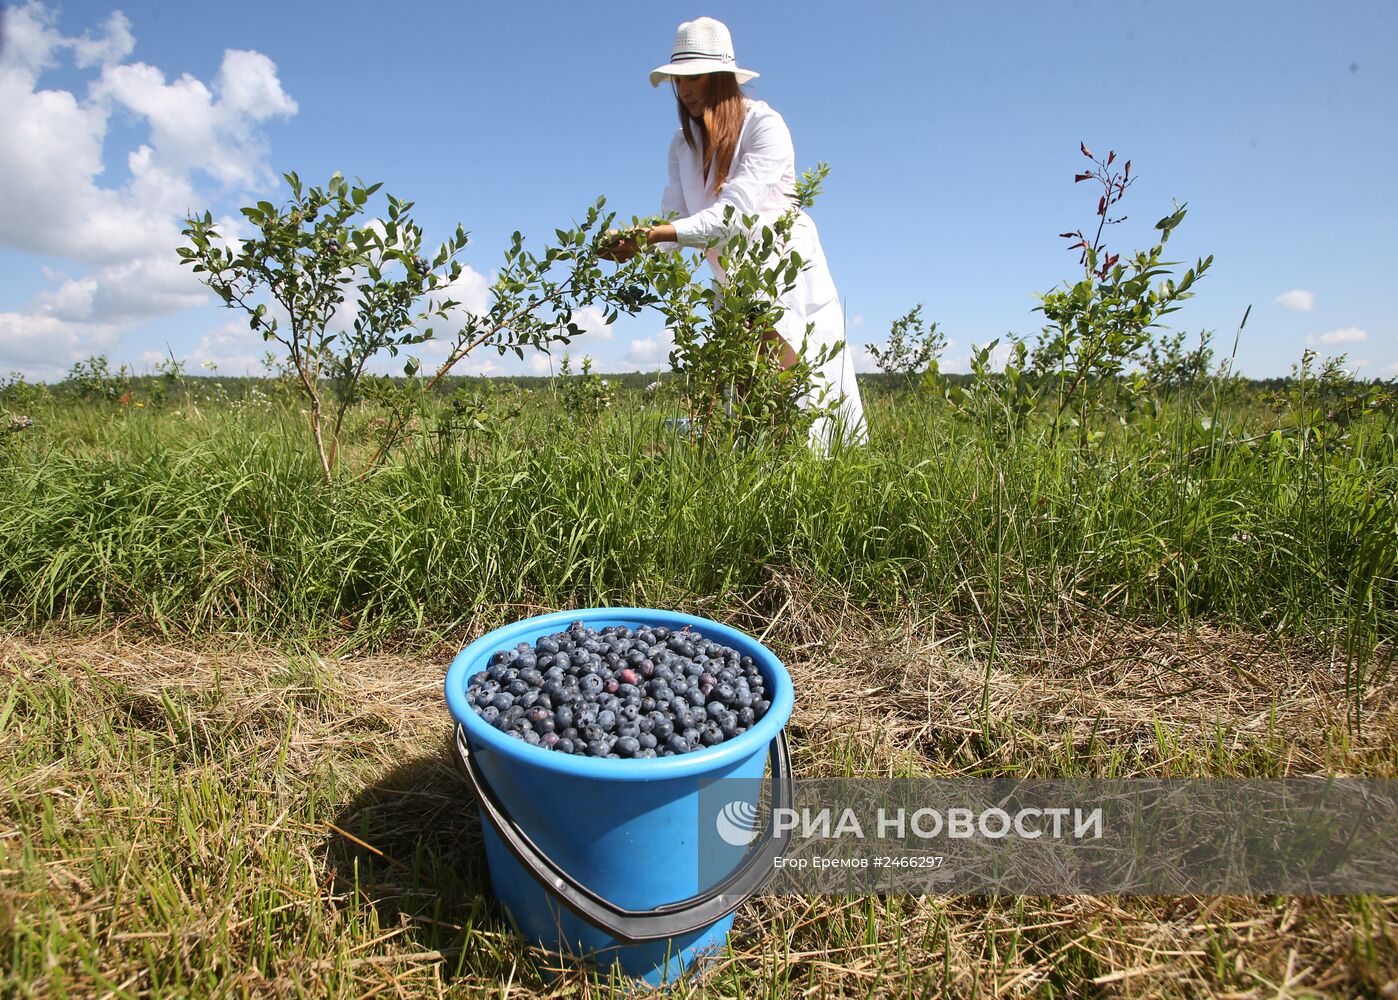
409 848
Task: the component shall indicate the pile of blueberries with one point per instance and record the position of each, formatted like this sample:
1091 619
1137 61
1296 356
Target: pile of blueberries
621 692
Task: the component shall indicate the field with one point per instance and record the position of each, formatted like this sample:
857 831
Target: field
225 747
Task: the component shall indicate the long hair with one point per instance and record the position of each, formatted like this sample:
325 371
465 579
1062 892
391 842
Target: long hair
720 127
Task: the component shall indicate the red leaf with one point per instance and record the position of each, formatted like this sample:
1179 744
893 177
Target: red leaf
1102 205
1085 152
1110 157
1128 168
1069 236
1081 177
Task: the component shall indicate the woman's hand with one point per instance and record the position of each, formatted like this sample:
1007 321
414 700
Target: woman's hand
622 245
619 246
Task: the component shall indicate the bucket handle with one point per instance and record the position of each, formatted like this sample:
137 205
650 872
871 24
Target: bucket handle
669 919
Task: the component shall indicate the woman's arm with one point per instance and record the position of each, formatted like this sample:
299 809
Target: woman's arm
765 155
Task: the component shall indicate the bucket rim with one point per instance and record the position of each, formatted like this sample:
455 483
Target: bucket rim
755 740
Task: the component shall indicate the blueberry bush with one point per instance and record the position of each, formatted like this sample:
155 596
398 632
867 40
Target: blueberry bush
312 260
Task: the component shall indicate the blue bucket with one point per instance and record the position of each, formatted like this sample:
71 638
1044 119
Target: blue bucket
601 857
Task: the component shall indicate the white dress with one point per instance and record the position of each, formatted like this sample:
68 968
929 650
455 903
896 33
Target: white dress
762 181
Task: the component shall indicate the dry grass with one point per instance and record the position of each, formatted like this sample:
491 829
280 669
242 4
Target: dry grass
235 820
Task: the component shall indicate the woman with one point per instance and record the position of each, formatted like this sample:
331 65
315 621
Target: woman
730 150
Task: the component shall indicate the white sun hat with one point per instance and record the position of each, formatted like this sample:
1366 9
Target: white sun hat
701 46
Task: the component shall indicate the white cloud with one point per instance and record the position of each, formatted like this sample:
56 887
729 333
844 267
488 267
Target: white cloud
863 360
651 352
471 290
1297 299
232 348
197 127
478 366
44 347
1344 335
595 327
854 323
1392 369
121 237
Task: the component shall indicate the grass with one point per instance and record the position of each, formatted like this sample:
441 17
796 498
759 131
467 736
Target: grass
224 746
190 520
228 820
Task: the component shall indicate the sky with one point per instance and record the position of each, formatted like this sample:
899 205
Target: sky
952 134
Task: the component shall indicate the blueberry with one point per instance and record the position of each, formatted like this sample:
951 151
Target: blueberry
627 746
620 692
